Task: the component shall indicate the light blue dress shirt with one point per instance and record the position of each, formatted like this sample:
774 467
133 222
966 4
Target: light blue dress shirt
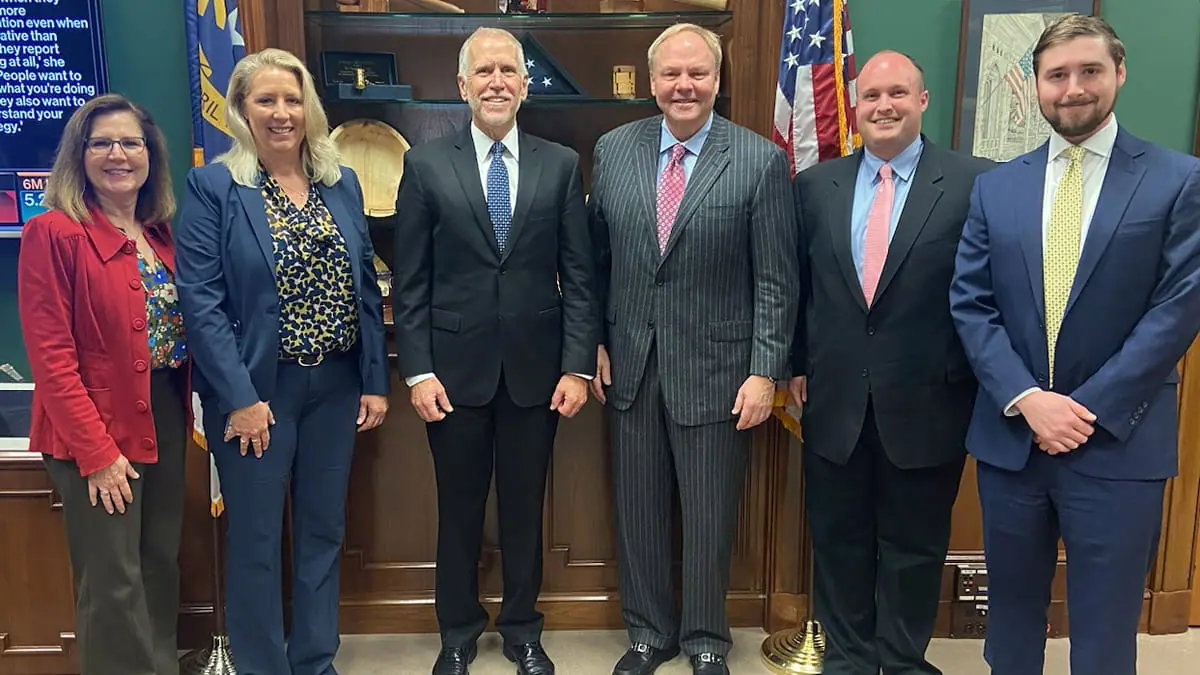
694 144
903 168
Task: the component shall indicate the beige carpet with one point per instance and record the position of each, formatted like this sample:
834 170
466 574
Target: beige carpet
595 652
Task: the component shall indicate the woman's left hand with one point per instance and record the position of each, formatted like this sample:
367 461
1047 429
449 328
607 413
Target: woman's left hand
372 408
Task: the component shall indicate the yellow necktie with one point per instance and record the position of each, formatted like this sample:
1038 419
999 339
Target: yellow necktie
1062 248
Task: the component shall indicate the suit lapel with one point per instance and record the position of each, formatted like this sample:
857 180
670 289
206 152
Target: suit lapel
529 171
1030 187
709 166
344 218
256 211
840 210
645 178
466 167
1122 178
923 195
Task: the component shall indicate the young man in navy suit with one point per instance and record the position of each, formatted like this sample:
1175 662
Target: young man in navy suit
1076 292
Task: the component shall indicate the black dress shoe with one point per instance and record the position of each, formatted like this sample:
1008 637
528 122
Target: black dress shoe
530 658
642 659
454 660
709 664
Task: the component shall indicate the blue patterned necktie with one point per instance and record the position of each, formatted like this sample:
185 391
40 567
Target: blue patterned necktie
497 195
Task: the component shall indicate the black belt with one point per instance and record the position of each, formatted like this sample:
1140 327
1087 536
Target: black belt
309 360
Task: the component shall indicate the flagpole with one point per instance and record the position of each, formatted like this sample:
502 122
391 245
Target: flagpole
217 658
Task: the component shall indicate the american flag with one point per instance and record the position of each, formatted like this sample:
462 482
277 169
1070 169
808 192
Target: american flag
814 102
1017 78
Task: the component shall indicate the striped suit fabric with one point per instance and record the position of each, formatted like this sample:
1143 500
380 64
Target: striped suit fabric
684 328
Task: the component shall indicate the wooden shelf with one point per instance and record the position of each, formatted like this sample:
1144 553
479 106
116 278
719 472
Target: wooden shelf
433 22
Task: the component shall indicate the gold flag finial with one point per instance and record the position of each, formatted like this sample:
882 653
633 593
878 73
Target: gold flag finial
796 651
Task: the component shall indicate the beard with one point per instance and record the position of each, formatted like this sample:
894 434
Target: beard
1079 126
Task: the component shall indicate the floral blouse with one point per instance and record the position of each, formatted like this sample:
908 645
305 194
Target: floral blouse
164 321
318 313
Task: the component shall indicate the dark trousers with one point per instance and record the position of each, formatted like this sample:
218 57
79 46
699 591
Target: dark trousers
1110 529
880 535
652 454
467 445
309 457
126 567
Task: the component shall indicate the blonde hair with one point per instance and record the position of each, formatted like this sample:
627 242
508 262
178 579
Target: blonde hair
68 189
710 38
485 32
318 152
1071 26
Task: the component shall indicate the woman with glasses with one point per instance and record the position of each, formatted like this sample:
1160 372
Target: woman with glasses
106 345
278 286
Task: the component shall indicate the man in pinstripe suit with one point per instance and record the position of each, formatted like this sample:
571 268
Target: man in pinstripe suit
695 232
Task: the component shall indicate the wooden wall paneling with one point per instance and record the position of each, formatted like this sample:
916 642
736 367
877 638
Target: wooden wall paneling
197 556
37 610
1173 578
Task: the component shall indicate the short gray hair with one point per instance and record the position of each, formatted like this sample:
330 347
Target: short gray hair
710 38
487 31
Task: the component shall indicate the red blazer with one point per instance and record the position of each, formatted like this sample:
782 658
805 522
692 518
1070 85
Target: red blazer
83 315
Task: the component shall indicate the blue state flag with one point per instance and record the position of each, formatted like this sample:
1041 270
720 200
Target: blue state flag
215 45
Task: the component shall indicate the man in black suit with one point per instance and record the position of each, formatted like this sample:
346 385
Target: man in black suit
885 386
496 334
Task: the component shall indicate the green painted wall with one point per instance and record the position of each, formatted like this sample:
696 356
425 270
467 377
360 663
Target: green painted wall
147 58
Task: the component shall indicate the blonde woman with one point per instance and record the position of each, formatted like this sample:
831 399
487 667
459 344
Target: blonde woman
279 290
101 323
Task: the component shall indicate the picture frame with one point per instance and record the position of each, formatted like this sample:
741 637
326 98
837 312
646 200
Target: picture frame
996 113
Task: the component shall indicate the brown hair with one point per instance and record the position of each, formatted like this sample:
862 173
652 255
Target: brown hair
67 188
1071 26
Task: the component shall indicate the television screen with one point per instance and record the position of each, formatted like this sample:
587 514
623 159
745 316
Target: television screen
51 62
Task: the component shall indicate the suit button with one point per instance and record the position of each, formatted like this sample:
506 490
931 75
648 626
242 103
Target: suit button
135 284
127 248
141 406
139 324
139 366
658 282
650 323
148 443
865 372
870 330
503 272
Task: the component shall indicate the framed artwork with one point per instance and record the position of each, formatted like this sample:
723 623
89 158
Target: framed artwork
996 113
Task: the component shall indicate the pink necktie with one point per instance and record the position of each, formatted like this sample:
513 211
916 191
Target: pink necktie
670 193
879 219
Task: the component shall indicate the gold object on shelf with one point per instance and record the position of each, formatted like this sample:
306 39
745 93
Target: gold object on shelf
376 153
360 78
796 651
624 81
619 6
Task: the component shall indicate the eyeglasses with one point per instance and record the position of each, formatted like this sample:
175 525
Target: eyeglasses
102 146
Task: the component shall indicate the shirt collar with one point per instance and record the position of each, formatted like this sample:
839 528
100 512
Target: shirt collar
483 143
694 144
1100 143
903 165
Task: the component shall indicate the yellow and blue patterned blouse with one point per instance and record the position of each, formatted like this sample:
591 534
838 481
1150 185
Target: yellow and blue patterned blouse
318 314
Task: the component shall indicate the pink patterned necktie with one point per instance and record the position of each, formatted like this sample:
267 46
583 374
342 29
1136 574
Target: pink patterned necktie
670 193
879 219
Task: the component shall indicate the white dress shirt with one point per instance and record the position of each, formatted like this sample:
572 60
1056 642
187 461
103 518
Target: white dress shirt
1098 148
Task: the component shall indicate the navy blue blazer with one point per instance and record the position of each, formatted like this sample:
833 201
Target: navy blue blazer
1133 310
227 286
